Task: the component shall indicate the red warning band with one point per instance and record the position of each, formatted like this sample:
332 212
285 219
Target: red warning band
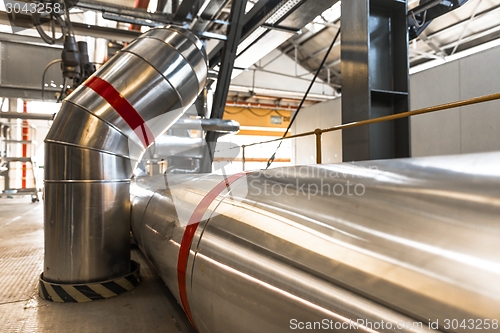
123 107
187 238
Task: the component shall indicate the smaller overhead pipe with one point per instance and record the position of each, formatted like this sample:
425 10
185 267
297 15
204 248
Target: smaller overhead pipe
214 125
27 116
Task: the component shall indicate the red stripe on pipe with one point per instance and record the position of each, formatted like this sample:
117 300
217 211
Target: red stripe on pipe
123 107
187 238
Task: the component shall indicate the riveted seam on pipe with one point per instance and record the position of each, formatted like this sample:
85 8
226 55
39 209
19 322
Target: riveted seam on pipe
200 81
166 79
97 116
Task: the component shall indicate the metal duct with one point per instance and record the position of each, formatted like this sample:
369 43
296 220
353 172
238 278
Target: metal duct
212 125
28 116
169 145
399 241
95 141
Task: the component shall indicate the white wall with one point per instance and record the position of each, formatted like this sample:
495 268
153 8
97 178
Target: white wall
456 131
322 115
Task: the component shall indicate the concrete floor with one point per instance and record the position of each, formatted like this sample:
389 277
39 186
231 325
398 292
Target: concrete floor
148 308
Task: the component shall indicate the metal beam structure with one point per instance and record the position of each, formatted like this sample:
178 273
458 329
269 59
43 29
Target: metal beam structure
25 21
136 13
251 21
224 78
209 14
469 41
375 78
188 9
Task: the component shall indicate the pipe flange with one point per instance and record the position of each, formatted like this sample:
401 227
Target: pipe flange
88 292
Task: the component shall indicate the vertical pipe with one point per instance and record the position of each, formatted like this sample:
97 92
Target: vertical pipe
243 159
175 6
97 138
296 61
25 137
318 133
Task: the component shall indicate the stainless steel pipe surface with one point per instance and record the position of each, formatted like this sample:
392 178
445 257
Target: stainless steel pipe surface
100 133
399 242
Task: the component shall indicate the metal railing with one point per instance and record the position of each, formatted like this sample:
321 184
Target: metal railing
318 132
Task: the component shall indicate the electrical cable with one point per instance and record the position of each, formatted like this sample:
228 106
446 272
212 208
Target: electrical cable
68 20
271 159
280 114
54 17
417 24
236 112
59 99
255 113
45 72
260 115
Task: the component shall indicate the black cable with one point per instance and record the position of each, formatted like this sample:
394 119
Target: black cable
68 20
260 115
53 17
45 72
236 112
255 113
271 160
280 114
59 99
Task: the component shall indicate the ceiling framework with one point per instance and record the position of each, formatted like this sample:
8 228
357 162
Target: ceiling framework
301 30
473 24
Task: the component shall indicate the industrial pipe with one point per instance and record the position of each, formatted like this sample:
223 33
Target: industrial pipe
212 125
408 245
100 133
168 145
28 116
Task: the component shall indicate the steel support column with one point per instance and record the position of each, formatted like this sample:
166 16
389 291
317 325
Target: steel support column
224 78
188 9
374 78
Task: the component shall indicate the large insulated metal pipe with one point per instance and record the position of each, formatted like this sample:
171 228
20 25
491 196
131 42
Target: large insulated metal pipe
377 246
97 138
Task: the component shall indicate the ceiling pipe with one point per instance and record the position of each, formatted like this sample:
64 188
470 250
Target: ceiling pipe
214 125
28 116
94 144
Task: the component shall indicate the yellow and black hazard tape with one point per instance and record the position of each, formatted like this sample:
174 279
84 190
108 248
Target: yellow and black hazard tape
79 293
